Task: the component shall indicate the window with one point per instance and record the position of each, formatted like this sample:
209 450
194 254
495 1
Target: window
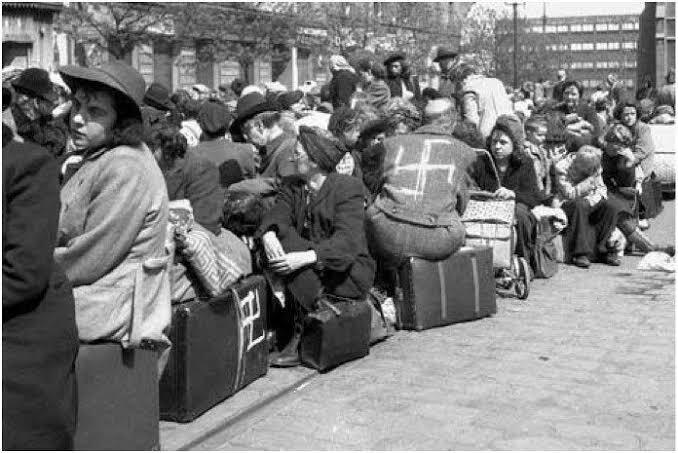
575 65
613 46
563 47
575 46
601 65
537 29
587 46
629 45
636 26
660 27
587 65
550 29
627 26
575 27
562 28
612 27
629 64
601 46
613 64
629 83
587 27
228 71
145 62
601 27
186 64
670 28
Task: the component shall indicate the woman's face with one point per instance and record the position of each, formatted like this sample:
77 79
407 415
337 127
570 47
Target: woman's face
571 96
502 146
401 128
395 68
92 119
351 136
629 116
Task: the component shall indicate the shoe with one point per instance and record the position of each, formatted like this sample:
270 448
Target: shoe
581 261
289 356
611 259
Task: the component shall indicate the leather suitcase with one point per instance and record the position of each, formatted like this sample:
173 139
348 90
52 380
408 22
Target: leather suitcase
438 293
219 347
117 398
336 333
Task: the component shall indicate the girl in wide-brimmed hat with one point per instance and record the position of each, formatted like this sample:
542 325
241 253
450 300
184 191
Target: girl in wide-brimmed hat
113 223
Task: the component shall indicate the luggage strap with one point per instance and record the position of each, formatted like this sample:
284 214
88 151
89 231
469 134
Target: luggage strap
476 287
443 291
241 341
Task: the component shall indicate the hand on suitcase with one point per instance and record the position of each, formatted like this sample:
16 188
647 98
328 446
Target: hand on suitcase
504 193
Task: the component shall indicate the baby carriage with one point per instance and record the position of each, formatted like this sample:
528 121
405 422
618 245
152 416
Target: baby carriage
489 221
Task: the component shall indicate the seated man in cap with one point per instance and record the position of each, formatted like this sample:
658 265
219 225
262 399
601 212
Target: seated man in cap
234 160
259 122
421 191
314 236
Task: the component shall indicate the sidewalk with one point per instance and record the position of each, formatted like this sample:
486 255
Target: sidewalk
587 362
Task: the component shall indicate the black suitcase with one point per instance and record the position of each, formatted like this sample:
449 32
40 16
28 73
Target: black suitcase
117 398
337 332
438 293
219 347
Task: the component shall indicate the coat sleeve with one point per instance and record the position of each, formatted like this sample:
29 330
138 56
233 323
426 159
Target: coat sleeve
644 147
527 190
117 211
340 250
281 216
344 87
30 227
205 194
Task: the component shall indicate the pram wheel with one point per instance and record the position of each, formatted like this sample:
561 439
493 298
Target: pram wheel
522 273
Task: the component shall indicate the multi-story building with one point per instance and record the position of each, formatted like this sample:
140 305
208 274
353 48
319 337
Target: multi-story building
589 47
657 42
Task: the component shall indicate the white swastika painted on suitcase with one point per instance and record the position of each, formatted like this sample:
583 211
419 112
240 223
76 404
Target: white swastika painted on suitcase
249 316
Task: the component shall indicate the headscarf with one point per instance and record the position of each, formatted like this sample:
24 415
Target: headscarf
322 147
339 63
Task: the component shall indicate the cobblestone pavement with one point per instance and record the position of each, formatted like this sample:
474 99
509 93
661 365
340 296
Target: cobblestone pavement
587 362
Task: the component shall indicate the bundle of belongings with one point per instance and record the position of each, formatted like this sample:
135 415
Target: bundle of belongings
204 263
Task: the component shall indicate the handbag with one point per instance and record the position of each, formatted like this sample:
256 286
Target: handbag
489 222
336 332
545 253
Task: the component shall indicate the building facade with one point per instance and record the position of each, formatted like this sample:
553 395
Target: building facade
657 42
590 47
28 34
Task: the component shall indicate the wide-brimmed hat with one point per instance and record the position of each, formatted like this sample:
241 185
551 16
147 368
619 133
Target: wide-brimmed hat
444 52
157 96
249 105
116 75
394 57
35 82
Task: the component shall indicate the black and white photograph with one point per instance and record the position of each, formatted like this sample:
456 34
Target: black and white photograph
338 226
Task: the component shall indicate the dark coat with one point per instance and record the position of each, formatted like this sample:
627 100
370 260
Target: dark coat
335 230
556 126
519 177
394 84
39 335
342 87
196 179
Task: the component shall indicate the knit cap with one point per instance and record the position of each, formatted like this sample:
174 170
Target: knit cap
214 117
322 147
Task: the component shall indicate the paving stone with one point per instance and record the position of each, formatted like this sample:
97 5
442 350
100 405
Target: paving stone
528 443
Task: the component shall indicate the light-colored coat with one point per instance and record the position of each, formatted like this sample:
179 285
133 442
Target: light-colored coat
111 245
484 100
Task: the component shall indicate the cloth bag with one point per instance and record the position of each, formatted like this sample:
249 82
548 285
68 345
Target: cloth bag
545 253
489 222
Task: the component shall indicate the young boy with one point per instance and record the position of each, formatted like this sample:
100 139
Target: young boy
535 131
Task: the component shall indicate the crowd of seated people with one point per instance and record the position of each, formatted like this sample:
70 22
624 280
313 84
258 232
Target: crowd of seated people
325 191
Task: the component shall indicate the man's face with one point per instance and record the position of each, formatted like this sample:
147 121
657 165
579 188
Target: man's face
446 64
254 132
561 75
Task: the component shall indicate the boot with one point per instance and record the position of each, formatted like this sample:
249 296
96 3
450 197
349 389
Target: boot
645 245
289 356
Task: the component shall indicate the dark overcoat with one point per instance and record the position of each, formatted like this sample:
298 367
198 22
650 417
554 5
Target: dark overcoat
332 225
39 335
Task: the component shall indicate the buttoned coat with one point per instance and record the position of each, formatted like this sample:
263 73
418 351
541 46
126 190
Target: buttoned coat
111 244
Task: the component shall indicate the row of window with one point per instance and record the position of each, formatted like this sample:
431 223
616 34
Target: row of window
600 65
594 83
584 46
575 28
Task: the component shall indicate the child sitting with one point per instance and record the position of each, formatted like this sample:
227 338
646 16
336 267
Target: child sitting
535 131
